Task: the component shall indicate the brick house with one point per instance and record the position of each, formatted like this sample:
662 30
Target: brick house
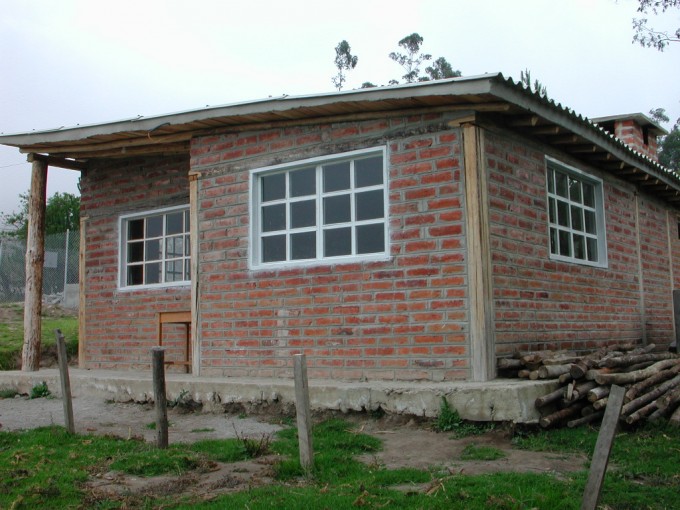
413 232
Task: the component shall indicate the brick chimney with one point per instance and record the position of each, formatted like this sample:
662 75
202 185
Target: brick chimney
636 130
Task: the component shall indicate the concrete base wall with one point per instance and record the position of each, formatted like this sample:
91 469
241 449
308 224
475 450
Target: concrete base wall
501 400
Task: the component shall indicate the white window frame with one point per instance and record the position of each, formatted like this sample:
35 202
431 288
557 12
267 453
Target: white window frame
600 234
123 222
254 259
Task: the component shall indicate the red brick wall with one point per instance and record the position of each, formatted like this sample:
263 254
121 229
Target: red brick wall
120 326
630 132
546 304
400 319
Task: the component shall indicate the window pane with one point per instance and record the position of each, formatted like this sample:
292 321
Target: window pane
303 214
577 218
174 223
303 182
153 249
575 190
368 172
174 270
561 183
370 205
274 248
135 229
187 246
336 209
154 226
337 241
152 273
303 245
588 194
174 247
591 224
553 241
273 187
274 217
187 269
562 214
186 221
336 177
579 247
551 180
552 212
564 243
371 238
135 275
135 252
592 249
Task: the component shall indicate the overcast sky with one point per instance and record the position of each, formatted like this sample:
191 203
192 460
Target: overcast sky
73 62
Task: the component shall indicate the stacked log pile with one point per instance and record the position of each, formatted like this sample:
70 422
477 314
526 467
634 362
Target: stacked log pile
651 379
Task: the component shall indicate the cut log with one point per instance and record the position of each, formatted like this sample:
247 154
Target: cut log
675 418
552 371
591 375
641 387
585 419
580 368
581 390
624 361
524 374
633 377
588 410
597 393
640 413
509 364
549 398
650 396
669 400
600 404
561 415
565 378
533 375
637 366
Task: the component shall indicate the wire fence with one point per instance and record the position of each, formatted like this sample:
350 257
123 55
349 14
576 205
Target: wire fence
60 268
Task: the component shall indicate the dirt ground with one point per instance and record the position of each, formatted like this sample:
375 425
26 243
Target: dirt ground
406 443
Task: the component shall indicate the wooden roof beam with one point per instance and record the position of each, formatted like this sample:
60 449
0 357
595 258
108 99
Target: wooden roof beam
525 121
69 164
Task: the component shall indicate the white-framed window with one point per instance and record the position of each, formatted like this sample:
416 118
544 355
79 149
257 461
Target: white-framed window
155 249
326 209
576 215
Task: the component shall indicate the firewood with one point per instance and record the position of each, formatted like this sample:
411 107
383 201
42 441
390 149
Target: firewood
650 396
579 369
581 390
552 371
597 393
592 374
585 419
658 414
523 374
640 413
587 410
640 387
600 404
509 364
632 377
565 359
624 361
564 379
669 400
675 418
533 375
637 366
551 397
561 415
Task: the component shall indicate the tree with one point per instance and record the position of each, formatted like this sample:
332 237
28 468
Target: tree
646 35
62 213
669 150
536 87
440 69
658 115
412 59
344 61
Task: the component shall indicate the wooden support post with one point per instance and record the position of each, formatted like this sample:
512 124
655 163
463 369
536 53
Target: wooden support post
160 402
65 382
304 424
82 317
193 241
35 258
603 448
482 330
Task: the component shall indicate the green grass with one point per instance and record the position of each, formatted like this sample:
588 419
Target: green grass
45 468
481 452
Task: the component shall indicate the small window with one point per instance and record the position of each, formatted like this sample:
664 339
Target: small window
320 210
155 248
576 216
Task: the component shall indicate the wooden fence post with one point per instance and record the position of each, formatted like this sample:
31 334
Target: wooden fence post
65 382
304 425
603 448
160 402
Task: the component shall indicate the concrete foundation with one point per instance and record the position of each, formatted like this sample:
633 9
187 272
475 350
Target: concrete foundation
500 400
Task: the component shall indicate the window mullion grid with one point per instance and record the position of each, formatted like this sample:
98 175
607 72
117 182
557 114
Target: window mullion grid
352 205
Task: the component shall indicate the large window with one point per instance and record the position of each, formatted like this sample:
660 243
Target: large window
576 215
155 248
322 209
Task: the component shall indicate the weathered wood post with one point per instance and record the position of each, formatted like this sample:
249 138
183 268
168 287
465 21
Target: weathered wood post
160 402
35 258
65 382
603 448
304 425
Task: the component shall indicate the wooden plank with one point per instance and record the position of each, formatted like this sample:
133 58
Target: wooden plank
603 448
82 337
304 421
68 164
65 382
159 398
482 337
35 258
193 241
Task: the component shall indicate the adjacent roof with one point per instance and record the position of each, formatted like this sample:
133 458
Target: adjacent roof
509 103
